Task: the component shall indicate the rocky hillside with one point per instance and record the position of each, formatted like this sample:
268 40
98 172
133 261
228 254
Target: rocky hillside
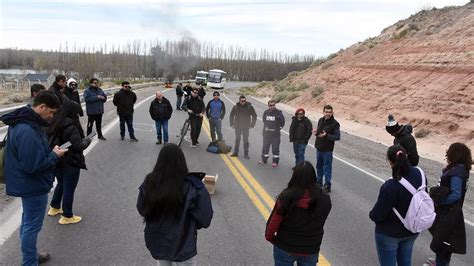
420 69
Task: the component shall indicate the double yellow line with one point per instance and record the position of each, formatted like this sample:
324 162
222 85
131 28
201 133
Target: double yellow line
257 194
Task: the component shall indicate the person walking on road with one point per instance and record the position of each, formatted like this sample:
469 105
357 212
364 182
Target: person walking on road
196 109
29 168
179 95
300 131
273 122
403 137
160 111
124 99
215 112
242 118
95 98
174 204
296 224
66 127
394 242
326 133
448 230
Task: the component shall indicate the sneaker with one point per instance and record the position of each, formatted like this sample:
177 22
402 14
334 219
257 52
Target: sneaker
261 162
122 137
43 257
73 220
274 165
327 189
53 211
158 142
102 138
246 156
197 143
133 139
234 155
193 146
430 262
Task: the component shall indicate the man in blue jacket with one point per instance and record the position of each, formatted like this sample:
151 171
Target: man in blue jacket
215 112
95 99
29 168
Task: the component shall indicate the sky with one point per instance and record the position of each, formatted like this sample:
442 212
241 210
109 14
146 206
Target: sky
318 27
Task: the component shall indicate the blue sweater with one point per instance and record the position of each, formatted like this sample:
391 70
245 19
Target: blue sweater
29 160
393 194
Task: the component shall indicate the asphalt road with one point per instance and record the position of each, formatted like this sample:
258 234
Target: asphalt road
112 231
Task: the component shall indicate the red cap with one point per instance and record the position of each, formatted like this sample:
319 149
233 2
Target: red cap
299 110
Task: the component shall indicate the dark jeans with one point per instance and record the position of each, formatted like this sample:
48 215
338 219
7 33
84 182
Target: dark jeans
324 167
196 123
32 219
178 101
98 124
283 258
67 177
215 126
394 251
161 124
299 149
272 140
129 120
244 132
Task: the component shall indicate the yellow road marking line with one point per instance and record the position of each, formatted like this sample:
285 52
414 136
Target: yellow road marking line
230 162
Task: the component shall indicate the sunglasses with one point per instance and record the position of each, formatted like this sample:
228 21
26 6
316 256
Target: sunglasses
73 85
271 105
299 114
242 101
128 87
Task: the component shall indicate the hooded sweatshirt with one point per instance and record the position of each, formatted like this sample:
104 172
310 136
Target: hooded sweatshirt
407 141
29 160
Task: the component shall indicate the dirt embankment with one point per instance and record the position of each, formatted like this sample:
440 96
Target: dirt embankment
420 69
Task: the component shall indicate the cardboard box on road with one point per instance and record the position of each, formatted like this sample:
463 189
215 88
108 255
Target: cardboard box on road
210 183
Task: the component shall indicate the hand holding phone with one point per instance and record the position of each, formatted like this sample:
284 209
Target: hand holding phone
65 145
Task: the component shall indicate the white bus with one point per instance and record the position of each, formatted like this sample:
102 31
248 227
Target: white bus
201 77
216 79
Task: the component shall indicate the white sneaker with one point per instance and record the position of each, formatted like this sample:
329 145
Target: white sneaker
192 146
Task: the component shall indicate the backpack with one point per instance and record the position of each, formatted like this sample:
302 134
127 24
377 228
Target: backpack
213 148
421 213
2 159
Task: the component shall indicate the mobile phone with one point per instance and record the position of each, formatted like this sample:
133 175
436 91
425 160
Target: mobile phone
91 135
65 145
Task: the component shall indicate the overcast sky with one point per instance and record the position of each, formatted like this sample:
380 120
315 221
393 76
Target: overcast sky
317 27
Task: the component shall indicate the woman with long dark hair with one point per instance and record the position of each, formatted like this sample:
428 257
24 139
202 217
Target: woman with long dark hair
393 241
448 230
295 226
67 127
174 205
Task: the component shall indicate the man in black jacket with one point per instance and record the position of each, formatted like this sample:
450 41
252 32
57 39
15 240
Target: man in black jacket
124 99
196 109
300 132
179 95
58 87
403 137
160 111
242 118
326 133
72 93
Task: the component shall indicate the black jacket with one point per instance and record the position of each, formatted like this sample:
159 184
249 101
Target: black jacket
448 226
160 111
179 90
273 122
243 116
73 95
124 100
407 141
300 130
57 90
331 127
201 92
195 104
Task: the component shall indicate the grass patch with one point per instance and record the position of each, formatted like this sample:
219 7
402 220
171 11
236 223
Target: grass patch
317 91
248 90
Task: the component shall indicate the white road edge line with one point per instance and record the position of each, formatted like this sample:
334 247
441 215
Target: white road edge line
9 224
338 158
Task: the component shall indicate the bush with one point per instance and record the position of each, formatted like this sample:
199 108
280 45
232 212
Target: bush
317 91
248 90
423 132
359 49
280 96
303 86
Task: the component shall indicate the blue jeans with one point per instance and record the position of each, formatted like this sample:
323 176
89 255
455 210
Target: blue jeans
283 258
215 126
162 124
129 120
299 149
67 177
34 209
394 251
178 101
324 167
